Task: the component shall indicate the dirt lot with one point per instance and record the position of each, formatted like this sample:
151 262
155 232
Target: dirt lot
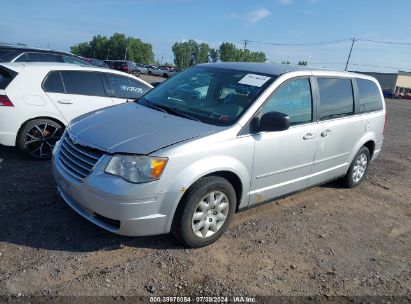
324 241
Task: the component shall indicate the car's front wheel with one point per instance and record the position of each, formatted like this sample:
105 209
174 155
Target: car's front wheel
38 137
358 169
205 212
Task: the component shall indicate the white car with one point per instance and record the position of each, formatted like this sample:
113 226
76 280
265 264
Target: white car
37 100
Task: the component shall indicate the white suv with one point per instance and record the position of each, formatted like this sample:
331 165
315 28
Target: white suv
37 100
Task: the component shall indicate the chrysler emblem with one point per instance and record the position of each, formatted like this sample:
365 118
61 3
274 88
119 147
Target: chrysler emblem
74 139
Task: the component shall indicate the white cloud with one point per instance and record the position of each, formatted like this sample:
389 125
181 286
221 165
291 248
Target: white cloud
256 15
286 2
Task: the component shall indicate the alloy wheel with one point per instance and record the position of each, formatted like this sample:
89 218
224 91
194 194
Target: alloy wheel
41 139
210 214
360 167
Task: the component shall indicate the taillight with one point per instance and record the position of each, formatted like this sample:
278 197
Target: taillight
125 68
5 101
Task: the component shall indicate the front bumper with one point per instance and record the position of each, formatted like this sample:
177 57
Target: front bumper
115 204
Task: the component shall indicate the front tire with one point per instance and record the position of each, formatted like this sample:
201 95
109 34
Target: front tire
38 137
358 169
205 212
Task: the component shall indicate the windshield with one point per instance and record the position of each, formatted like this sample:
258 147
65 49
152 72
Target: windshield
211 95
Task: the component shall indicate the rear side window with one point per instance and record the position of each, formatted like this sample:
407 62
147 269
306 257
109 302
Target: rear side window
7 55
336 98
5 78
53 83
294 99
43 57
369 95
74 60
126 87
83 83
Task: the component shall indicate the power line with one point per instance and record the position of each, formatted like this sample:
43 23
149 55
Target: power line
385 42
299 44
379 66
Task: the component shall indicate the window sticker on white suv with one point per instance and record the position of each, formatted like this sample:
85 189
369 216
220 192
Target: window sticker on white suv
131 89
254 80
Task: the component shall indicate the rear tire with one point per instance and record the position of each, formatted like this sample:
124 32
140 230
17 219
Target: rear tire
358 169
38 137
205 212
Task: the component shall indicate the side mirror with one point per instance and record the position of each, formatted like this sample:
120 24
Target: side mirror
271 122
156 83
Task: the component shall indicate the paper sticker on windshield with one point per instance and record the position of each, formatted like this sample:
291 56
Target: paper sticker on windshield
254 80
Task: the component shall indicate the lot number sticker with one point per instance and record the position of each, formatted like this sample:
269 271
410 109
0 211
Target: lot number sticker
254 80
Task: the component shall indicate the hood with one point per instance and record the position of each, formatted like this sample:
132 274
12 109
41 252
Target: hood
133 128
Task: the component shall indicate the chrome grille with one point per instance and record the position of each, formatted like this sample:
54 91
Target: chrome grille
77 160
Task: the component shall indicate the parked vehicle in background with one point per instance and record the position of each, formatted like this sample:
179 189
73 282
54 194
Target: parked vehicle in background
388 93
124 66
159 71
96 62
407 96
9 53
141 67
214 139
37 100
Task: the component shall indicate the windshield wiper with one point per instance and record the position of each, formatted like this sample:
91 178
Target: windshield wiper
150 105
168 110
178 112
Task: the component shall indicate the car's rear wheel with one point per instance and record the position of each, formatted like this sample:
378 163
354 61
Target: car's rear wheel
358 169
205 212
165 75
38 137
149 73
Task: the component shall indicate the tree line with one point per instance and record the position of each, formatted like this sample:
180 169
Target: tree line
186 54
117 46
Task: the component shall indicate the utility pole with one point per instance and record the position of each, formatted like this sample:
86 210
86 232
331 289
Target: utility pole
125 54
108 53
245 44
349 55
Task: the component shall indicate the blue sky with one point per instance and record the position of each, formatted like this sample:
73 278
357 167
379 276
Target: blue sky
61 24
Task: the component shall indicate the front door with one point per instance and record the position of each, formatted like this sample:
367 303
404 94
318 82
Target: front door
283 160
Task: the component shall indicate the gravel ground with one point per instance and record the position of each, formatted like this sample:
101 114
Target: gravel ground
327 241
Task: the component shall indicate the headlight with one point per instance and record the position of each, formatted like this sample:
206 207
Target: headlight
136 169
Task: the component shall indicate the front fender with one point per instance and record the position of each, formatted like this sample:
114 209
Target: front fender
187 177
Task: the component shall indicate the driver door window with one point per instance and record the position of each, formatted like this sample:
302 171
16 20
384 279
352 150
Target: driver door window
294 99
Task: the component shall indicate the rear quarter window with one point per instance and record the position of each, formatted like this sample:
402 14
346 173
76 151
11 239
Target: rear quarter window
369 96
5 78
336 98
53 83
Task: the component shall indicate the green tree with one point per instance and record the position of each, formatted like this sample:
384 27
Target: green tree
302 62
117 46
228 52
81 49
187 53
213 55
203 53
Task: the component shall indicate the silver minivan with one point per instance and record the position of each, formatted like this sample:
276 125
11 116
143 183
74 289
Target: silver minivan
213 140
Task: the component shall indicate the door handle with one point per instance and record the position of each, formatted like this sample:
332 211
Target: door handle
65 101
326 133
309 136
